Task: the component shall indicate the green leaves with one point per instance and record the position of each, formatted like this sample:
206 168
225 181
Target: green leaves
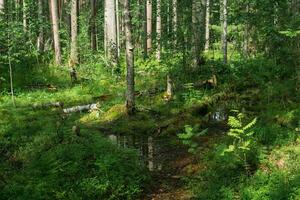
242 137
189 136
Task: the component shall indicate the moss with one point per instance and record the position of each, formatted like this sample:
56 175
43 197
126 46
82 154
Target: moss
114 113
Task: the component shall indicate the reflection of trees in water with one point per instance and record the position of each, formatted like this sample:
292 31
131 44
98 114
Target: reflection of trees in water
149 149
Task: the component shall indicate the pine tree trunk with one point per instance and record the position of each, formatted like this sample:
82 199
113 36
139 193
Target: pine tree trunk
196 32
130 103
207 25
74 32
158 30
40 40
55 28
224 31
93 26
149 26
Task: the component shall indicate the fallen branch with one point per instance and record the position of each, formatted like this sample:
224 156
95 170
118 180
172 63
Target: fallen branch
80 108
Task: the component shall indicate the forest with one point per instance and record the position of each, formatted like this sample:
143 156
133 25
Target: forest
149 99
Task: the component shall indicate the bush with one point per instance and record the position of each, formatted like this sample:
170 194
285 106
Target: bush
88 167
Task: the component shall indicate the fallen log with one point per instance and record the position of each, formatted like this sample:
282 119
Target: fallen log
80 108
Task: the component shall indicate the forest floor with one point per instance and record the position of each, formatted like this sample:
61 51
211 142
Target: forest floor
31 128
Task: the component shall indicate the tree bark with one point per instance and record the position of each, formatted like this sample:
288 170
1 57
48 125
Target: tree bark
224 31
74 33
118 27
158 31
55 28
174 20
24 15
111 31
196 32
130 102
1 6
80 108
207 25
149 26
246 33
93 26
40 40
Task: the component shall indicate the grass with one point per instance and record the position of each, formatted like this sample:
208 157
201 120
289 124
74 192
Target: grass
42 158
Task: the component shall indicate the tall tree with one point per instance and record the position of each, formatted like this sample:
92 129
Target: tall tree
196 31
158 30
118 27
1 6
174 20
74 32
130 103
207 25
111 31
55 29
224 30
40 40
93 25
24 15
149 26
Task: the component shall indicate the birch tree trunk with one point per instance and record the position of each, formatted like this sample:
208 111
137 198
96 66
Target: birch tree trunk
130 103
207 25
74 32
158 31
55 29
118 27
174 20
246 34
224 31
40 40
149 26
111 31
1 6
24 15
93 26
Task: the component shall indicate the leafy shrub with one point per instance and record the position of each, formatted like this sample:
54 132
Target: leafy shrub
88 167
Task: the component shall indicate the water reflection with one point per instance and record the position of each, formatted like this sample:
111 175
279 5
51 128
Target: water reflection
219 115
150 149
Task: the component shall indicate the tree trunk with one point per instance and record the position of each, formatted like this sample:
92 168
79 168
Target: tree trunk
40 40
145 35
118 27
149 26
111 31
130 103
55 28
174 20
24 15
196 32
74 33
207 25
1 6
93 26
158 30
224 31
246 34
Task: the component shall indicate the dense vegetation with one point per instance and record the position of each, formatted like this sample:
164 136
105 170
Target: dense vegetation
211 89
